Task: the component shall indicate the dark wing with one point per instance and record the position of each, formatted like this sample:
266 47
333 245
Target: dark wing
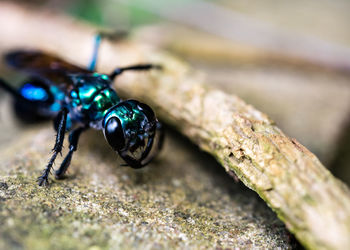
48 68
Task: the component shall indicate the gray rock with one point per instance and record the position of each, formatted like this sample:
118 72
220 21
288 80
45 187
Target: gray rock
182 200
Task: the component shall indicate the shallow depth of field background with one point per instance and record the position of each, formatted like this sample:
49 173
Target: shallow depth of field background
290 59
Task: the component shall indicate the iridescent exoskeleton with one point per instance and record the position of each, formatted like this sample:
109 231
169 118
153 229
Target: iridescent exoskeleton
78 98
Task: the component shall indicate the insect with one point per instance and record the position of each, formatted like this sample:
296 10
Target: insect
77 99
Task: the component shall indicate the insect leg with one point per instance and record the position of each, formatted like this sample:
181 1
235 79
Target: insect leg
160 134
160 142
160 131
97 42
73 145
137 163
137 67
43 179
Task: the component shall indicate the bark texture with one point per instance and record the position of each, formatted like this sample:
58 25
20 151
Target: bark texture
304 194
306 100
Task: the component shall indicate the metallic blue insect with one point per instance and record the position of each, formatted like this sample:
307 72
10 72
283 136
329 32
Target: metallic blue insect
77 99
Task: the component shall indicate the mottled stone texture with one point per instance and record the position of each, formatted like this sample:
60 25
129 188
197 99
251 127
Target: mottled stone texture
184 199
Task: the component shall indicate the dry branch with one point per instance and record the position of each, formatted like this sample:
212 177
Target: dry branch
313 204
295 81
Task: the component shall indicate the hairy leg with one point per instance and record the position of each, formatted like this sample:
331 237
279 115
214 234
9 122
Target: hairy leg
73 145
43 179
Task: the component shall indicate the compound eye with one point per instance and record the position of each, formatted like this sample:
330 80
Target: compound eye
114 133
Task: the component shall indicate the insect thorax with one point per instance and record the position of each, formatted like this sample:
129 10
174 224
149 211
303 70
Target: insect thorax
91 98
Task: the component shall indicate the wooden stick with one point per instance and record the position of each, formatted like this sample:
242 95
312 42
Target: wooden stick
314 205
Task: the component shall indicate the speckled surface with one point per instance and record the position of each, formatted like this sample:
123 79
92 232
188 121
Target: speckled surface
183 200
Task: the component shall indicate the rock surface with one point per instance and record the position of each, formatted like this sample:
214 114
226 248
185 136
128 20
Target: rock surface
182 200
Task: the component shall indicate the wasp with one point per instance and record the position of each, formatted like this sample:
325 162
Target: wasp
78 98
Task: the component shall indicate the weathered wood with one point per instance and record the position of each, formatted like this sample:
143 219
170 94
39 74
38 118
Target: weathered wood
276 84
313 204
307 100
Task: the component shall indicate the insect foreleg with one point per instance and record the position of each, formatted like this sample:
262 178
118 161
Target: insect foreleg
137 67
160 142
73 145
43 179
138 163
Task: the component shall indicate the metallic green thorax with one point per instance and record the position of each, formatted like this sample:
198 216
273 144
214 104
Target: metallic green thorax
91 97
